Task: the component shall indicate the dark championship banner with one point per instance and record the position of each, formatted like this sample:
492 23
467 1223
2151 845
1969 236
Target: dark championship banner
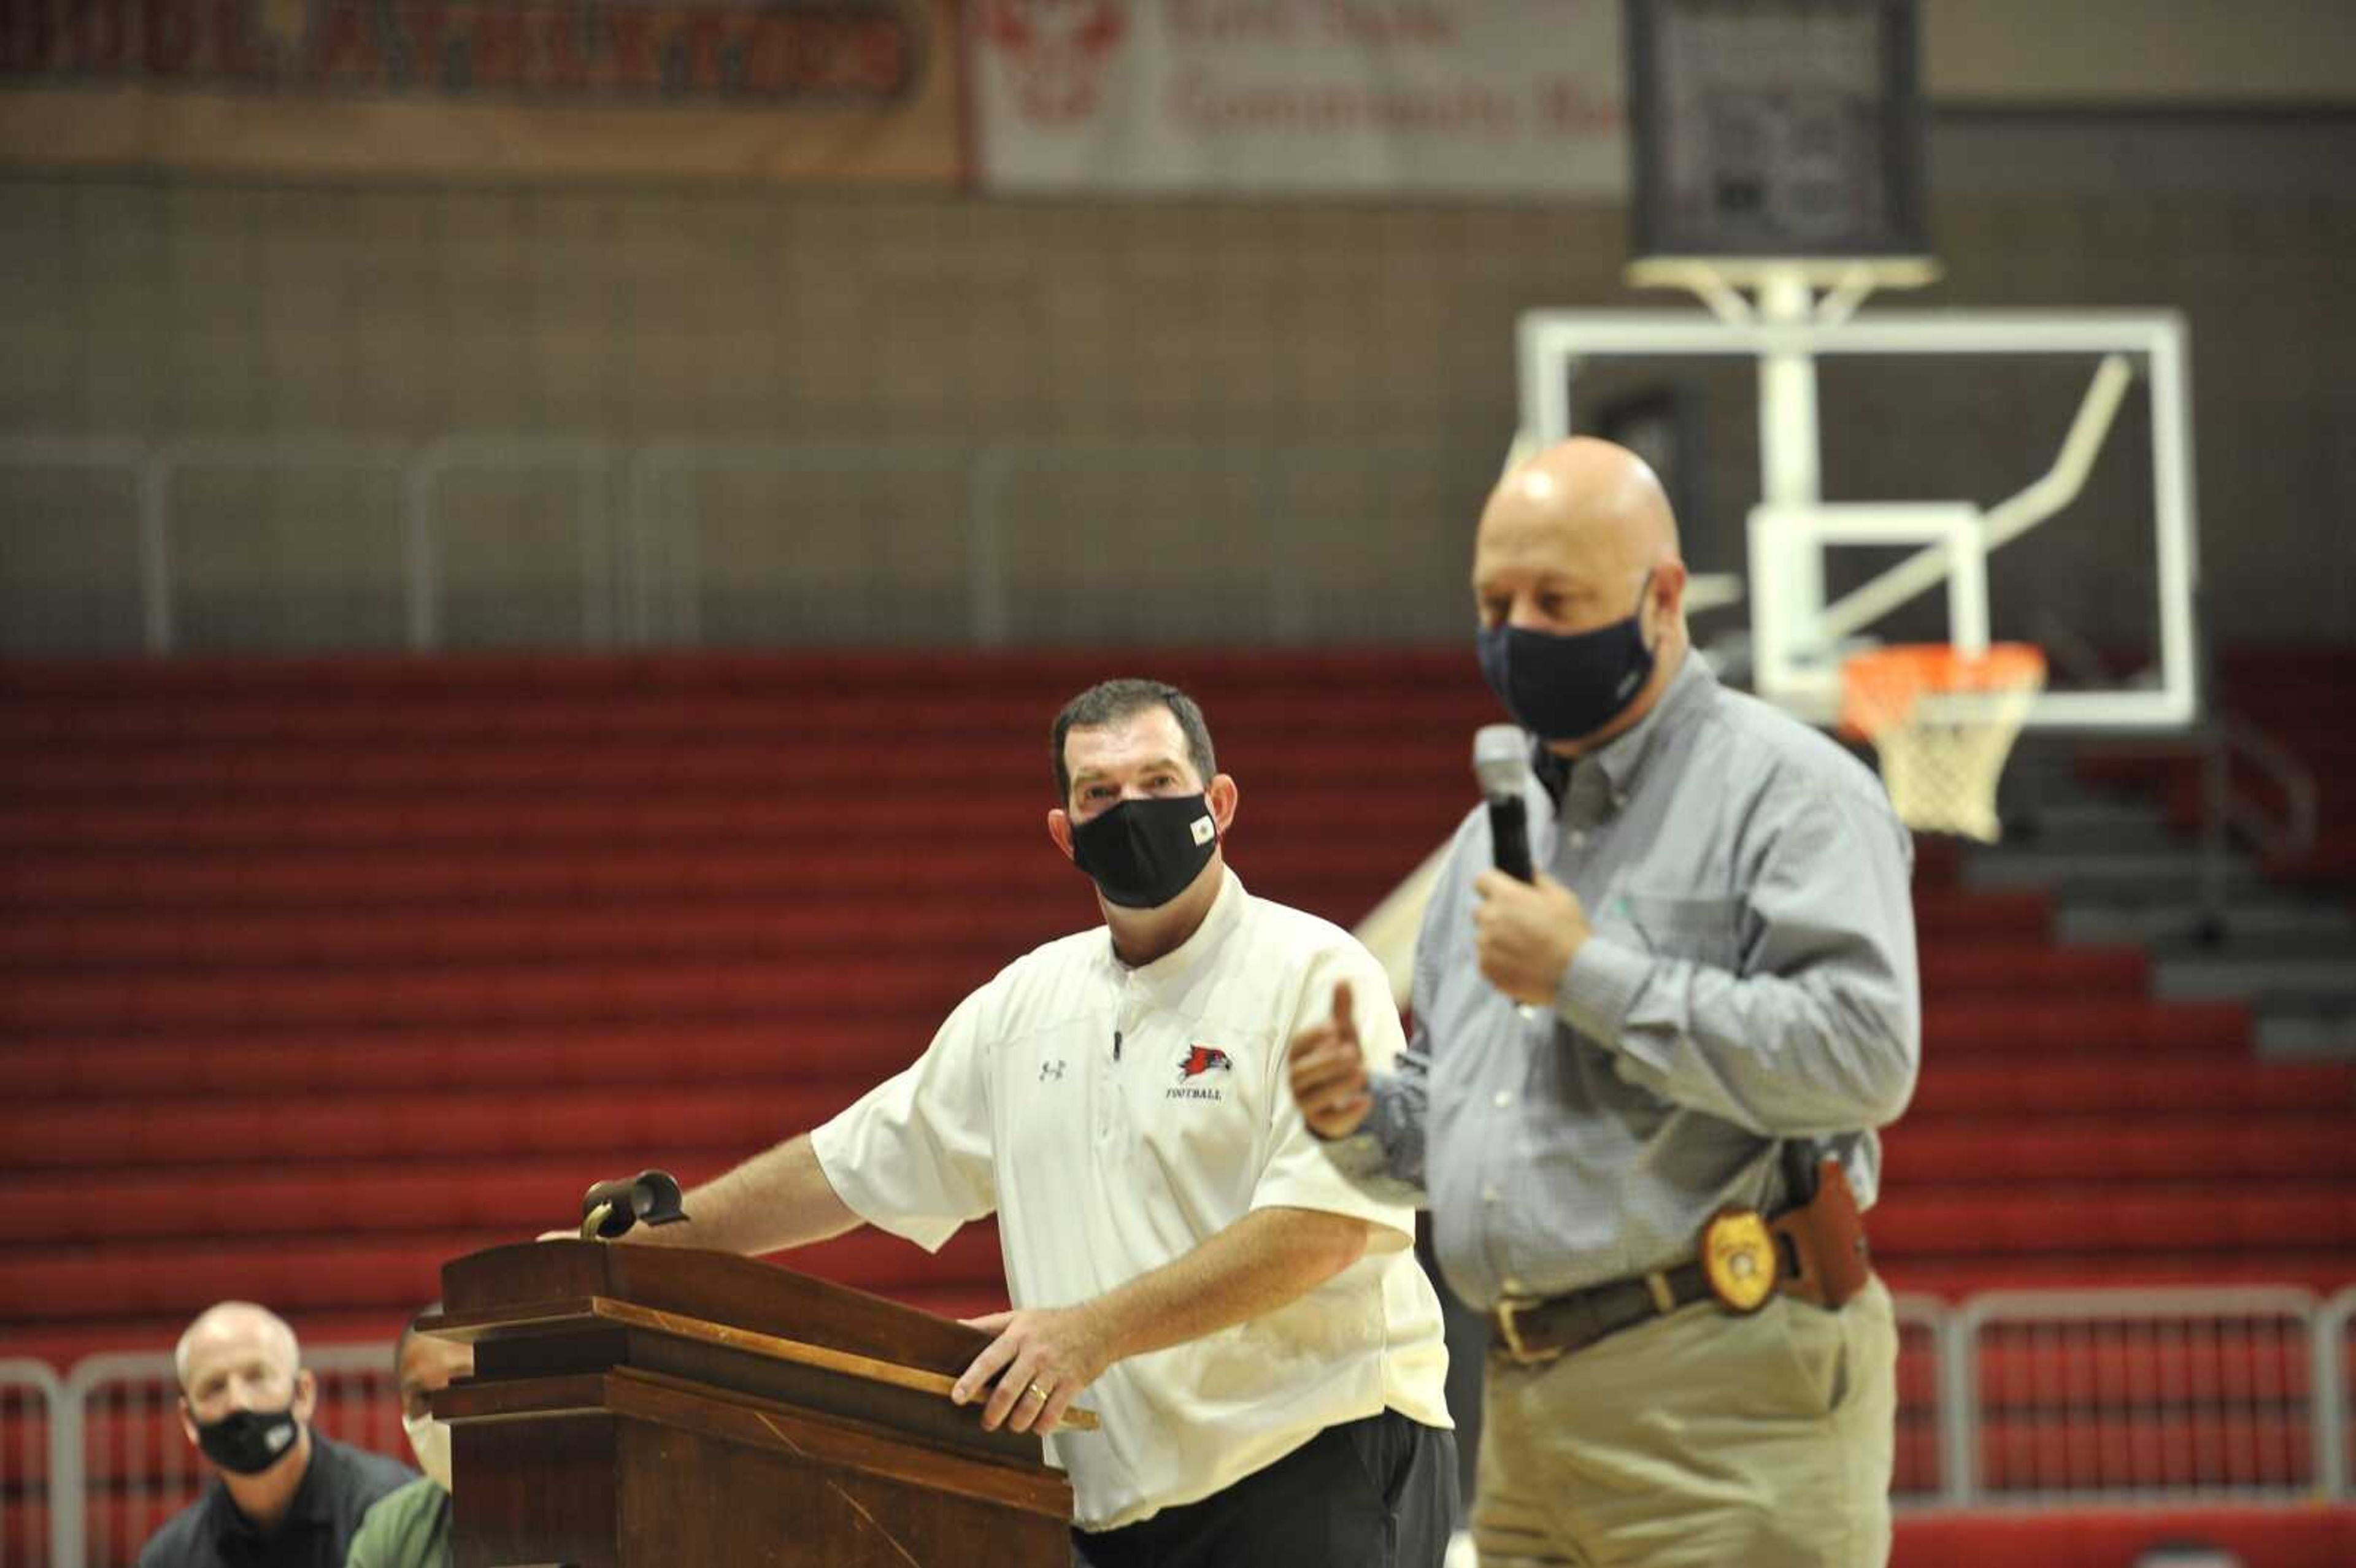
844 91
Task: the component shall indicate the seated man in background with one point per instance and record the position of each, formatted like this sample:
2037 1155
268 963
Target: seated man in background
286 1496
411 1528
1262 1348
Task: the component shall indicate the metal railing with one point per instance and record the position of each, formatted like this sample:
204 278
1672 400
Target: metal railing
2335 1355
2226 813
664 599
1924 1474
2133 1396
1245 519
30 1399
2010 1399
590 466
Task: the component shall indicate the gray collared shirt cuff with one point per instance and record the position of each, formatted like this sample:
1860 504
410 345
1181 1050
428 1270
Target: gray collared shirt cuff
1385 1154
1598 988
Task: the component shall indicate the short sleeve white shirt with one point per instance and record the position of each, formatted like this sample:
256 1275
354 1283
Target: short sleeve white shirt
1115 1118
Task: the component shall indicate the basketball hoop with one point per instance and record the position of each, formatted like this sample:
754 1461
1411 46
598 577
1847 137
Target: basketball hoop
1942 721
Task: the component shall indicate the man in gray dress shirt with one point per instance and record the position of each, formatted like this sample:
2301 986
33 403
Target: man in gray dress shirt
1707 998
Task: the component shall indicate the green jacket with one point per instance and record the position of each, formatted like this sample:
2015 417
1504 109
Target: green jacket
405 1529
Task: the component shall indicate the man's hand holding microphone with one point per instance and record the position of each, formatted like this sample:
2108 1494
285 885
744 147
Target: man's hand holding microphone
1526 931
1528 926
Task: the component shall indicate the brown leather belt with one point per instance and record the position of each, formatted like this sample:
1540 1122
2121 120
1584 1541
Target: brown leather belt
1820 1254
1533 1331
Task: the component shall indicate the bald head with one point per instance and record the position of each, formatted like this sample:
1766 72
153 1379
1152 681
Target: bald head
1590 500
235 1333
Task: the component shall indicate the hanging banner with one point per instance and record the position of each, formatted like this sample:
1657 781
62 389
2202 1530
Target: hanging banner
836 92
1439 98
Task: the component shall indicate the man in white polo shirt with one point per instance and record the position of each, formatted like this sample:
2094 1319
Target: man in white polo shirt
1255 1333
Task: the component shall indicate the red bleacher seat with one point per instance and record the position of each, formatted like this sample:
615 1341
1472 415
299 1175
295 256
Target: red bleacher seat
313 974
2113 1538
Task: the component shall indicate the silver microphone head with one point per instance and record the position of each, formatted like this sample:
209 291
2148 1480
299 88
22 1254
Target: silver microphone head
1501 759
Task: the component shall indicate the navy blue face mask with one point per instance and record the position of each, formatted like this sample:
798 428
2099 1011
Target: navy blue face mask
1566 688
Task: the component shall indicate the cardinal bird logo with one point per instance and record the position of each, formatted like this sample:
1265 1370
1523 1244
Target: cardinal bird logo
1201 1060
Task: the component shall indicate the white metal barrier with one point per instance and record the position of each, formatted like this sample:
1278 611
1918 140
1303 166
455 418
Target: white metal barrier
165 466
589 463
2012 1399
117 1445
123 460
2137 1396
1255 523
1924 1472
663 553
2335 1355
30 1399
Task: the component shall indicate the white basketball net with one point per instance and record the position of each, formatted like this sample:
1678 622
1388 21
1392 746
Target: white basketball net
1942 724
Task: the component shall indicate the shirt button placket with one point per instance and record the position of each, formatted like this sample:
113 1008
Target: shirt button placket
1111 1109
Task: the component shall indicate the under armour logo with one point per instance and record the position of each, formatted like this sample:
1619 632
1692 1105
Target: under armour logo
1050 1070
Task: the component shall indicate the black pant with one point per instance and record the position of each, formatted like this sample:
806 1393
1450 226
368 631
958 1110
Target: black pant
1377 1493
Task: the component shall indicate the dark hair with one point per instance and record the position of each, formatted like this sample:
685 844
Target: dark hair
1109 701
409 1332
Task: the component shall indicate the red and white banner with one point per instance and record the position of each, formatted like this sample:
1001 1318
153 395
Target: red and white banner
1299 97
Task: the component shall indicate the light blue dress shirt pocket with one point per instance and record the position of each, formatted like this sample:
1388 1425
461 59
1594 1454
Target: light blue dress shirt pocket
1705 930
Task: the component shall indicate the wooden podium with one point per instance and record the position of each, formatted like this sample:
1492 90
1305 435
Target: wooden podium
652 1407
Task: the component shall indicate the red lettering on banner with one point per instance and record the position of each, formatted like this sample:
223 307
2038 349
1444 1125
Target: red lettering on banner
28 35
797 54
236 52
770 55
559 30
557 50
636 62
702 40
97 38
884 65
494 52
344 48
1197 99
426 45
169 32
1565 106
1231 21
1357 22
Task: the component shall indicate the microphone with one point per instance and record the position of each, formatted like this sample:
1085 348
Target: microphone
1501 761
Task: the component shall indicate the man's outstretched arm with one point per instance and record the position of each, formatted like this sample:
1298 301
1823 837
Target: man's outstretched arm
775 1200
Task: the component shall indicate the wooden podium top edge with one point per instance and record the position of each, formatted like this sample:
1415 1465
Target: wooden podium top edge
550 1316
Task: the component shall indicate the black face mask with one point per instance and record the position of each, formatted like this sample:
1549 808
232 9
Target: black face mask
1562 687
248 1442
1143 853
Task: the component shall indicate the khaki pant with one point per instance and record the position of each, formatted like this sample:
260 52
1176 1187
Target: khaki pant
1700 1439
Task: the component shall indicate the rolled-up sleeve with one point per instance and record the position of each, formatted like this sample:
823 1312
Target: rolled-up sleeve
1816 1028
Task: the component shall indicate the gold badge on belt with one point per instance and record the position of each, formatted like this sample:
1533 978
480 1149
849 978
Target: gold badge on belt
1738 1258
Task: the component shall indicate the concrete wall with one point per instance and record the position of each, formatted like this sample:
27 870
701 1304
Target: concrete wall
2177 52
1052 421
